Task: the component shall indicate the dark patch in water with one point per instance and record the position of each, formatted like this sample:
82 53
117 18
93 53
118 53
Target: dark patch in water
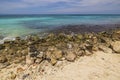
85 28
34 24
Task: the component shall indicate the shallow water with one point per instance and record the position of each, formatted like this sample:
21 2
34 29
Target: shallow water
19 25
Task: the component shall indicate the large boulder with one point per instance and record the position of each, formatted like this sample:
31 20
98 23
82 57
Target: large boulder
53 54
116 46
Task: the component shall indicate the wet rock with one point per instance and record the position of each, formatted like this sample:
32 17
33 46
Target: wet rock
18 38
1 46
50 37
36 38
32 51
7 43
116 46
32 48
70 56
17 41
60 37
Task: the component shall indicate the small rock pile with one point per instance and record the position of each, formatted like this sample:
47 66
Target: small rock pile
53 48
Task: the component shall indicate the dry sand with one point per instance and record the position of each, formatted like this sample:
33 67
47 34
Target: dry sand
99 66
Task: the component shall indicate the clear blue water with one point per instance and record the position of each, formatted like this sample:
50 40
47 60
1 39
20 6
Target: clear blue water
18 25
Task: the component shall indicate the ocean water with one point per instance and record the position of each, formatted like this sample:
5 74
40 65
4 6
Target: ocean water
19 25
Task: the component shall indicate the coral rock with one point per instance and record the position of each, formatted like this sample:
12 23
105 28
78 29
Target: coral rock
116 46
70 56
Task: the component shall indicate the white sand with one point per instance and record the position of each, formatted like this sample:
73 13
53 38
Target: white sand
99 66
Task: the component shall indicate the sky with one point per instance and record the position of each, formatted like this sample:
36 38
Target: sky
59 6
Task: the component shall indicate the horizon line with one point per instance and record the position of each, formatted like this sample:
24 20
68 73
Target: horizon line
67 14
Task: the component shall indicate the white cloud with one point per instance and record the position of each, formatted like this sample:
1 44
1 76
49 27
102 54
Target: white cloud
75 5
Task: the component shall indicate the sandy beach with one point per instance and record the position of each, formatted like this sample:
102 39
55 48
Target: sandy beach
99 66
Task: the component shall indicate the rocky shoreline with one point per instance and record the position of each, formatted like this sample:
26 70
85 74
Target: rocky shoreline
35 50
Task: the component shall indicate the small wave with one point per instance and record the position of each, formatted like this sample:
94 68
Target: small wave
7 39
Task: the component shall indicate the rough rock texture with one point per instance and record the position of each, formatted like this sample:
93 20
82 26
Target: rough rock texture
70 56
35 54
116 46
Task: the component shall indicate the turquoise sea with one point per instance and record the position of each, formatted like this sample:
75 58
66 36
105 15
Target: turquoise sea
19 25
